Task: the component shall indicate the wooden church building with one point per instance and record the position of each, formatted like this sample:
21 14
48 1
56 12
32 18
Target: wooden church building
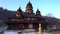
26 20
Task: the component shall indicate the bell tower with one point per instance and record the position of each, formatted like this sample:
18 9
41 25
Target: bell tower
29 8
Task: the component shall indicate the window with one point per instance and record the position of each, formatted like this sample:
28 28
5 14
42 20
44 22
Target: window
28 18
32 18
27 11
14 19
17 20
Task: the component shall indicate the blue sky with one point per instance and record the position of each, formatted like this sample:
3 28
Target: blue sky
45 6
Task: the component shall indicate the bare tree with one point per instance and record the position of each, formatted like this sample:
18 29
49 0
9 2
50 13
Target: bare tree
49 15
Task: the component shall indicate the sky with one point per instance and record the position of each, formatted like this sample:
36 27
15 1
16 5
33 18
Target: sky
46 7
